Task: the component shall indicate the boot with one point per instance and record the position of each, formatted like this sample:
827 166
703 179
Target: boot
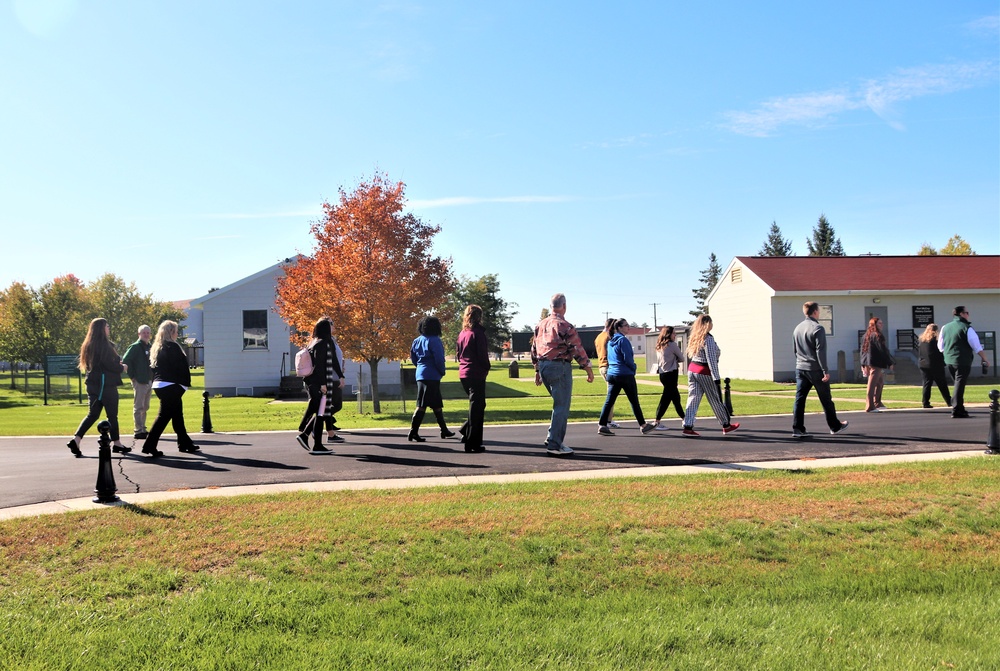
418 418
439 415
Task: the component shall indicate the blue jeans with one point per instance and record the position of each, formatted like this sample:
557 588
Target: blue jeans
557 376
804 381
616 385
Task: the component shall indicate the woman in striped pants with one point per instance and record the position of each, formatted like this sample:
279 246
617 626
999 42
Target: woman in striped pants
704 378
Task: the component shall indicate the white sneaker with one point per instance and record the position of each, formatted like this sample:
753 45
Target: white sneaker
614 425
562 451
660 427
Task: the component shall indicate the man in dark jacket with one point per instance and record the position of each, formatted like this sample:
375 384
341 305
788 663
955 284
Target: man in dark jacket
809 342
137 359
959 342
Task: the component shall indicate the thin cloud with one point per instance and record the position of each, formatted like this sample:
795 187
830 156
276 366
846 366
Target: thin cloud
814 110
987 25
458 201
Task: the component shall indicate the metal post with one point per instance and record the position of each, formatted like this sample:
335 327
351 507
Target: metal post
361 393
206 416
993 442
402 388
728 399
105 476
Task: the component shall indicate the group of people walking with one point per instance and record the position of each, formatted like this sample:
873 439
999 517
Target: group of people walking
556 344
160 366
325 382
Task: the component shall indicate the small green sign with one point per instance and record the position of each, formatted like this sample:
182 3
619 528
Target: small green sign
61 364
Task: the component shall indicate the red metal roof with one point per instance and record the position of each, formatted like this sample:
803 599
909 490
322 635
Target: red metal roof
877 273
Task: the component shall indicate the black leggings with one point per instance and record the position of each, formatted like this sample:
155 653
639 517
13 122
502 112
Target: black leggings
109 403
172 412
670 395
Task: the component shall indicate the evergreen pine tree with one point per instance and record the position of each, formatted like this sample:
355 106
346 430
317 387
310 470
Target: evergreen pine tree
824 241
709 278
776 244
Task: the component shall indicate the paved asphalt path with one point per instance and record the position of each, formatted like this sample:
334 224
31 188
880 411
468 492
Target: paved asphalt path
39 469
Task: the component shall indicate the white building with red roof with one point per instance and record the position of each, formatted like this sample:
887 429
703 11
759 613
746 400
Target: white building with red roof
758 302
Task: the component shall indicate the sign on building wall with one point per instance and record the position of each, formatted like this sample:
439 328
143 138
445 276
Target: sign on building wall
922 316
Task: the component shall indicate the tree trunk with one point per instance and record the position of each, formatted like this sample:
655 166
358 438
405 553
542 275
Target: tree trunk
373 365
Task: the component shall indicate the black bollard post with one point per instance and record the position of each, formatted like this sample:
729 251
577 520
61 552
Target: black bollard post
728 399
206 416
105 476
993 442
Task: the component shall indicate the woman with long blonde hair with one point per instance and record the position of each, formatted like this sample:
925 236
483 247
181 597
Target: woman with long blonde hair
473 352
704 378
931 362
103 368
171 378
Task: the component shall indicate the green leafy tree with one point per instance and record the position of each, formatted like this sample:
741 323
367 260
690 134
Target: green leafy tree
955 246
64 312
776 244
126 308
21 336
824 241
485 292
709 278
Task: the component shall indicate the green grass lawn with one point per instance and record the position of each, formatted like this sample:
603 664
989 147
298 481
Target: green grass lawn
508 401
891 567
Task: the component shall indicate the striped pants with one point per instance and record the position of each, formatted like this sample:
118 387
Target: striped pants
703 385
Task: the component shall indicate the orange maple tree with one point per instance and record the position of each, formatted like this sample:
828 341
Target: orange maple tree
371 270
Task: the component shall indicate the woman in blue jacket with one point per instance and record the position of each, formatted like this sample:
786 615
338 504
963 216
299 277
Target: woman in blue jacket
427 353
621 377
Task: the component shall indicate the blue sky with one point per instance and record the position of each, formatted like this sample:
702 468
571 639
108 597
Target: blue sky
599 149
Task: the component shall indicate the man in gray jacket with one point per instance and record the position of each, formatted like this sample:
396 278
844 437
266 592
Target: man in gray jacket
809 340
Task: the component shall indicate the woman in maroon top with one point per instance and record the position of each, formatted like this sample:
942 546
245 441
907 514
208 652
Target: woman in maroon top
473 367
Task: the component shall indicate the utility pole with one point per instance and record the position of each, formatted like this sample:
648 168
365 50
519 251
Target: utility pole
654 315
607 315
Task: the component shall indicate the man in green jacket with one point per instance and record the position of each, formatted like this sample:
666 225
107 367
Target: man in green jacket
959 342
137 359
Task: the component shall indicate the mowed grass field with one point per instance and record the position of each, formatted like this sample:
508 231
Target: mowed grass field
508 401
891 567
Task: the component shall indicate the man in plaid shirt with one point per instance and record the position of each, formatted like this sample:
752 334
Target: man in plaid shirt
555 345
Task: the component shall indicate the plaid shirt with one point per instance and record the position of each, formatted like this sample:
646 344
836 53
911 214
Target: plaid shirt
556 340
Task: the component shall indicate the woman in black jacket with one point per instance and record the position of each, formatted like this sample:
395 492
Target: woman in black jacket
875 358
325 382
931 362
103 368
171 378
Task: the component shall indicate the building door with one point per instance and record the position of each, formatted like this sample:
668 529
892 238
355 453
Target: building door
882 313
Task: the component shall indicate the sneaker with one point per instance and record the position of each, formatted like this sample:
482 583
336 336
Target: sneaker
801 434
605 431
614 425
730 428
660 427
303 441
842 427
559 451
691 433
319 449
647 427
334 438
960 415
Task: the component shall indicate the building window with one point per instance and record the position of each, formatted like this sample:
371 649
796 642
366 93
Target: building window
254 329
826 318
